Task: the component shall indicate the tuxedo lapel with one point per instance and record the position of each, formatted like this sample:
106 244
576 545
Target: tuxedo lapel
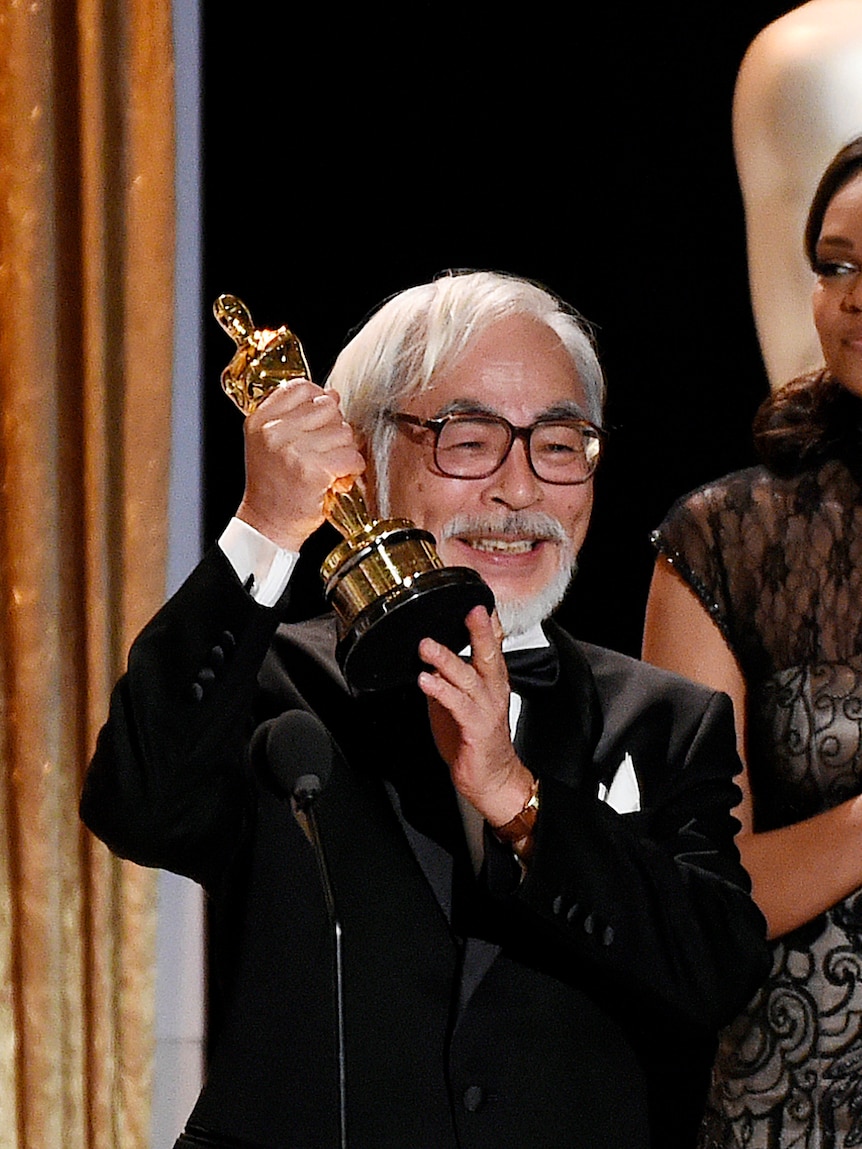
559 727
435 862
419 787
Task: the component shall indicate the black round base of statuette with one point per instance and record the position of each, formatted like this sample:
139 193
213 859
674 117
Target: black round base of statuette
381 648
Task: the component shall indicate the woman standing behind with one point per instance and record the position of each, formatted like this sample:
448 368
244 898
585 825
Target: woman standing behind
757 591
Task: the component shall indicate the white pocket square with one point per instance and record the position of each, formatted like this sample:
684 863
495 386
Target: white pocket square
623 794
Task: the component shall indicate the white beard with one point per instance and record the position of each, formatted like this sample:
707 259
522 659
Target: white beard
518 615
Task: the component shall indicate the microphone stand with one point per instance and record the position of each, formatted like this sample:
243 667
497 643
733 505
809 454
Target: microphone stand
305 793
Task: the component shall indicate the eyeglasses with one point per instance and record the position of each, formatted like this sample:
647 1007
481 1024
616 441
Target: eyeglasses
468 446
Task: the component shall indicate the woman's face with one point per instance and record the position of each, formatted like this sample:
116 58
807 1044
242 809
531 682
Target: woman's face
838 291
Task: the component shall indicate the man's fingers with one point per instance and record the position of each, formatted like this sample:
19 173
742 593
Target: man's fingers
486 643
448 665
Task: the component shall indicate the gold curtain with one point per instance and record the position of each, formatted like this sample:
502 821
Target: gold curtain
86 258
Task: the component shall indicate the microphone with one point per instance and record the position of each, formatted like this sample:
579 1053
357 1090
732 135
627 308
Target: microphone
299 756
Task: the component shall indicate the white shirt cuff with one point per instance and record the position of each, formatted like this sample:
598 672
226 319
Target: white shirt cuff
255 557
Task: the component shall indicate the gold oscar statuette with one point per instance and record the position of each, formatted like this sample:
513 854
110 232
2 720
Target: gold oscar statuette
385 581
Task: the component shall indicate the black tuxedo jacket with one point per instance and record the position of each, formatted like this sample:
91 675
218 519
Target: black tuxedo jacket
574 1008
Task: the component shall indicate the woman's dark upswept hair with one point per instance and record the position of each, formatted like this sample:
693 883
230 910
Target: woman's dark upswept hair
812 417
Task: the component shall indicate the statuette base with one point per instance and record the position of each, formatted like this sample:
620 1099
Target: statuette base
380 648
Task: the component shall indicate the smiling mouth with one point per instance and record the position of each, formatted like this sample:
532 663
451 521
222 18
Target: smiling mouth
502 546
516 535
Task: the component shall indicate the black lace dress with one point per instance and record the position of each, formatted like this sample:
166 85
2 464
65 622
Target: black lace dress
778 565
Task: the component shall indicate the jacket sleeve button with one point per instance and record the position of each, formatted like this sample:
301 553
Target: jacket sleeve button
474 1095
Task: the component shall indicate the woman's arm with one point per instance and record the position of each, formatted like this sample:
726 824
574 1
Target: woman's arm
796 872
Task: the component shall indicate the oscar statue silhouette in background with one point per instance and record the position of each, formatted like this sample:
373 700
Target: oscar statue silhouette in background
798 100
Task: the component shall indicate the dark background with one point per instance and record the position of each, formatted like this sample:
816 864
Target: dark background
352 151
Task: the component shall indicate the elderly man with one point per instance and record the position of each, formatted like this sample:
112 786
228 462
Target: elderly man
543 914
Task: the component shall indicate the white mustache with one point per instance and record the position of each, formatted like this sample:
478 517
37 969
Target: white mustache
516 524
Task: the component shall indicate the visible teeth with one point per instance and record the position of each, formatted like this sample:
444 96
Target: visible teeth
502 546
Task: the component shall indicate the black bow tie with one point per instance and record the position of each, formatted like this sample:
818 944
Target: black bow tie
533 668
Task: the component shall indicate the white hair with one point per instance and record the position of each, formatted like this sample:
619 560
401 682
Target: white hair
422 331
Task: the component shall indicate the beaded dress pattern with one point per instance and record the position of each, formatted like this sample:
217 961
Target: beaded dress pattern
778 565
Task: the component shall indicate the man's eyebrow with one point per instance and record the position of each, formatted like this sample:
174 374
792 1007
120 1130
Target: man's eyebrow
564 409
465 407
838 241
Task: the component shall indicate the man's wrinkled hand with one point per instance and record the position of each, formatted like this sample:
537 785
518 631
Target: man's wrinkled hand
468 706
297 445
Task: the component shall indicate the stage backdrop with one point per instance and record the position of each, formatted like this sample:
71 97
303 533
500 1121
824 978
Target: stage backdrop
351 151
